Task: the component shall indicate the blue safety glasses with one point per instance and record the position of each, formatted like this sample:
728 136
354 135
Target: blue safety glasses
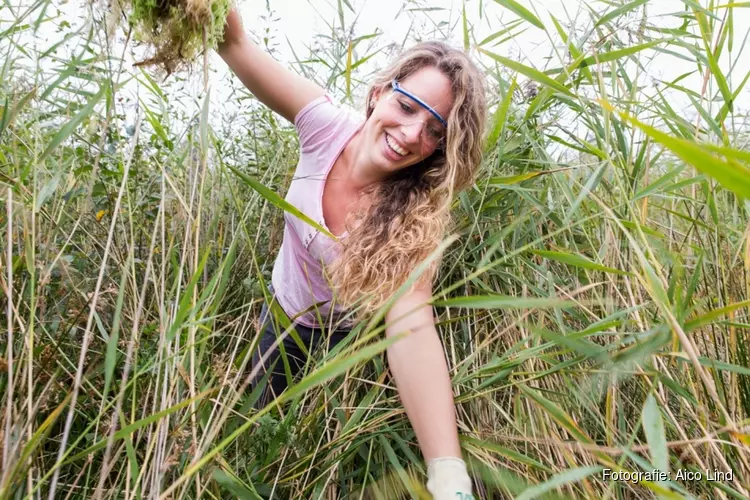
433 134
397 88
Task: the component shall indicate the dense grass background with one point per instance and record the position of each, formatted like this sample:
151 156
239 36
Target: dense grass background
593 304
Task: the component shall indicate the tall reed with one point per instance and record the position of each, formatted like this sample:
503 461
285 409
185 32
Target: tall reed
593 304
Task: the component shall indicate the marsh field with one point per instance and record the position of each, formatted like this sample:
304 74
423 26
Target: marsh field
592 301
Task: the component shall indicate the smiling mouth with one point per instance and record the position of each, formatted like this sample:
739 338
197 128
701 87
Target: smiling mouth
395 147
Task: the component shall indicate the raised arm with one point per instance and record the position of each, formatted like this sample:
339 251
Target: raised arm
274 85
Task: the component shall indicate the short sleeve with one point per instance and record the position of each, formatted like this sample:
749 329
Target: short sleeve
317 121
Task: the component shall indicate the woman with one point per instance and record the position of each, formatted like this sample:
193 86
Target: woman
384 187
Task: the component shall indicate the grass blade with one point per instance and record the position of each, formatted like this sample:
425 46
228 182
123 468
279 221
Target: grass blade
653 427
532 73
321 375
278 201
69 127
713 63
710 316
613 55
504 302
10 114
558 480
139 424
558 414
618 12
465 25
578 261
500 117
732 176
494 36
521 12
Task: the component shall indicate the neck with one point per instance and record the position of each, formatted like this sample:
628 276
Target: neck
360 172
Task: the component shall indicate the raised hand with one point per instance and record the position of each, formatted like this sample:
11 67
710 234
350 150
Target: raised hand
234 32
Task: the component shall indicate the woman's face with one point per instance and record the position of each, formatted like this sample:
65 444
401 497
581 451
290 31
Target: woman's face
400 132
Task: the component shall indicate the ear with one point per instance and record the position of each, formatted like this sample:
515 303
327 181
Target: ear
376 94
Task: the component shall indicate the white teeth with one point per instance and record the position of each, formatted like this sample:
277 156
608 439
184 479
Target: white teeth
395 146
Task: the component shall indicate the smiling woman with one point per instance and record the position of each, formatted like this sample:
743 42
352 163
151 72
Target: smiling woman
382 183
408 209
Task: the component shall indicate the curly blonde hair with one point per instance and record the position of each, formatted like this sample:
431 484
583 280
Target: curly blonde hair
408 214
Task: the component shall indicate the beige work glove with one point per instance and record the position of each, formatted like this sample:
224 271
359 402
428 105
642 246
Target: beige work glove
447 479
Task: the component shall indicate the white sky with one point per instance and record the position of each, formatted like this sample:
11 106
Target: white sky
300 20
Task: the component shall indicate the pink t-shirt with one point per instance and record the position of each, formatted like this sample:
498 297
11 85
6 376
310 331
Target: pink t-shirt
299 278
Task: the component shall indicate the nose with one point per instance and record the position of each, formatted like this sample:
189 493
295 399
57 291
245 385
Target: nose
412 131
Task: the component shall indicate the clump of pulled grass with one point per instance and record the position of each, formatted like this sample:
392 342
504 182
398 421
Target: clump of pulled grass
178 30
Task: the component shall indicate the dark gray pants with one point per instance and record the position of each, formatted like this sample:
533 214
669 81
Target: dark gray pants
312 339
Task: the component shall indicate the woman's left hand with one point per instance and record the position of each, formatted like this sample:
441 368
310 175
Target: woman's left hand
447 479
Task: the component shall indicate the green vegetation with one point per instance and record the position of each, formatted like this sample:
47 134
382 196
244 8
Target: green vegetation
593 304
177 29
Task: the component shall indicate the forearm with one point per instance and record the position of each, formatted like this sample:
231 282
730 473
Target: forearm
253 66
419 368
273 84
260 73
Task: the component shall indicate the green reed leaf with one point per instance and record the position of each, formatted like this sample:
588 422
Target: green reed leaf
521 12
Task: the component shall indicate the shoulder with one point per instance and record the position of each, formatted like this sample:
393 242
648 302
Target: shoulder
322 121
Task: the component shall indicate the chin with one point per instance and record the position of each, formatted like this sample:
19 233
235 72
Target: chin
397 167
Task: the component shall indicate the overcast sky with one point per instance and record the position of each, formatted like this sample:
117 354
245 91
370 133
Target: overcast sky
298 21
